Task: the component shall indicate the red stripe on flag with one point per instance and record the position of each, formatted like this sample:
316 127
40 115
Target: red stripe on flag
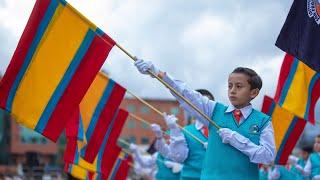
70 151
314 98
23 46
104 121
109 158
123 170
267 101
72 126
78 86
284 72
292 140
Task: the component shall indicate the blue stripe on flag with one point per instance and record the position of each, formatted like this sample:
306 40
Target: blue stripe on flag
116 168
286 137
65 81
313 81
105 140
100 106
289 80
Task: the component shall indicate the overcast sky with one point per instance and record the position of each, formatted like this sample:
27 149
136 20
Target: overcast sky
199 42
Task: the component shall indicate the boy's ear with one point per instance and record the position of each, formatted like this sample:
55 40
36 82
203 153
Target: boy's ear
254 93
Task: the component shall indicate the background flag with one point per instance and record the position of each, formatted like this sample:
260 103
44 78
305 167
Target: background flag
57 58
287 129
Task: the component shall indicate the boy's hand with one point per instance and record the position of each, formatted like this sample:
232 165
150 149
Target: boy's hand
205 145
225 134
133 147
144 66
293 160
233 138
170 121
157 130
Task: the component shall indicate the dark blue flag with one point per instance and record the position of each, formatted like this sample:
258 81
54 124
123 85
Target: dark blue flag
300 34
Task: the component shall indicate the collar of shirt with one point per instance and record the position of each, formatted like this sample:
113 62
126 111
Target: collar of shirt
246 111
198 125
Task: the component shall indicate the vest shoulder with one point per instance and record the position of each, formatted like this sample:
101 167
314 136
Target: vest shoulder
261 115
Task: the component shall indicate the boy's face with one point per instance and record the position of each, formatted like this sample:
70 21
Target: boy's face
316 146
239 92
304 155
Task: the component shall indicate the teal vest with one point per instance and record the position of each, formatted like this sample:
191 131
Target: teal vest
263 175
222 161
163 172
297 173
286 174
315 164
193 164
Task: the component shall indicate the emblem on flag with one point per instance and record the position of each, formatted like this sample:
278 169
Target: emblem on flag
313 7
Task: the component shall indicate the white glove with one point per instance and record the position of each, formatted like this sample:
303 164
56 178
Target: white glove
170 120
205 145
226 134
299 168
156 130
293 160
233 138
168 164
144 66
133 147
177 167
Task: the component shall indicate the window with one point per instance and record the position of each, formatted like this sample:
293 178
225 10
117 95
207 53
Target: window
174 110
144 140
131 108
132 139
145 126
145 110
131 124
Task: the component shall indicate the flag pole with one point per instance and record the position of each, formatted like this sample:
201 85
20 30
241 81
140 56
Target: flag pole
128 144
172 90
161 114
140 119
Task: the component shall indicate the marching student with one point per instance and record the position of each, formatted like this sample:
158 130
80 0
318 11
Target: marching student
183 147
246 136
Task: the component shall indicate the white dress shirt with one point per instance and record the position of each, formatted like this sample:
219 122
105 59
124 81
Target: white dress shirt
178 149
308 167
263 153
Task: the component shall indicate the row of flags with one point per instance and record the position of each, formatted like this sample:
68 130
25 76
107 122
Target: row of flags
298 88
53 83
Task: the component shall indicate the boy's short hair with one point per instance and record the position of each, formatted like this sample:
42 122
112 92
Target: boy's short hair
318 136
254 79
206 93
307 149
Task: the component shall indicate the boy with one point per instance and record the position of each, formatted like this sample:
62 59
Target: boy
299 163
246 137
312 167
183 148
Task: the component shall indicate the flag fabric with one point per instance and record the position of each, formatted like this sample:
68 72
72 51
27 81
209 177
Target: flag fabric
57 58
287 128
108 152
299 82
298 88
79 172
98 109
121 167
300 33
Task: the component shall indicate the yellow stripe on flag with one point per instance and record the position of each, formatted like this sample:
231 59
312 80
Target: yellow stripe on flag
91 99
281 120
297 97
